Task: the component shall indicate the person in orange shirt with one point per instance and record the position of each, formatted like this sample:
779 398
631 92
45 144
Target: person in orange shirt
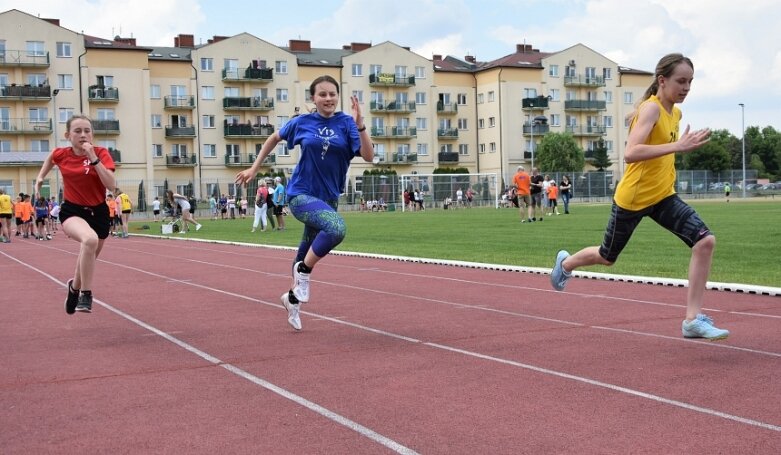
25 214
112 212
553 193
522 183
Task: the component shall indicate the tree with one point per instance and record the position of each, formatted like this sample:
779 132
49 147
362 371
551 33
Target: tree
712 156
600 158
558 152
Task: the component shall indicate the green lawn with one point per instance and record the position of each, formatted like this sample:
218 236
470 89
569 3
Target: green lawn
748 238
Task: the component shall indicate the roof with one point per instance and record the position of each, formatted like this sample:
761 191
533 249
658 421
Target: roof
626 70
450 63
525 59
179 54
94 42
320 56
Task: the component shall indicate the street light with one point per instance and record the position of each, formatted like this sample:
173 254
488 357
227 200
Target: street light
55 119
538 120
743 129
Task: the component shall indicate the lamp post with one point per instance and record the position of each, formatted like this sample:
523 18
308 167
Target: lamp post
743 159
55 119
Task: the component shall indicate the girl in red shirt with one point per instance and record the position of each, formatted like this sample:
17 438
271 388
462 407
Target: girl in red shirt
87 171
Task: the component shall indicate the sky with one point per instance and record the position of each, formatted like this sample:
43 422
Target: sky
735 45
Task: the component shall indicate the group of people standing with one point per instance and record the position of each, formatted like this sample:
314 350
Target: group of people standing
37 218
330 139
536 195
269 204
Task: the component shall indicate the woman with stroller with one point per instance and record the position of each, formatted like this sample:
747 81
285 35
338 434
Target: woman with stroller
187 217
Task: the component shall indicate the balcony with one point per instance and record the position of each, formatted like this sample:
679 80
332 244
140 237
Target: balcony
10 126
403 158
392 108
587 130
448 157
538 102
391 80
232 160
23 158
584 105
116 155
247 103
247 131
181 161
26 92
185 102
394 132
105 127
101 94
447 133
24 58
536 129
447 108
256 75
584 81
179 131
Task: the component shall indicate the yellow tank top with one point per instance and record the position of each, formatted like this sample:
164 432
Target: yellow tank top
647 182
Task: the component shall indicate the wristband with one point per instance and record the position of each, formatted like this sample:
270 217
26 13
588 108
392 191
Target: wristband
95 163
363 128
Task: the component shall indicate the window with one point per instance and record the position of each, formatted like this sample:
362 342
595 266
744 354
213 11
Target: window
421 123
555 120
157 121
207 92
375 69
481 148
608 97
232 119
358 94
282 121
607 121
39 145
207 64
65 81
178 149
282 150
106 81
492 147
446 148
282 95
400 71
491 122
571 95
64 114
569 71
480 97
607 73
280 66
63 49
157 150
402 149
530 93
38 114
422 149
178 91
461 99
491 98
232 149
480 123
108 143
105 114
553 71
37 79
231 65
591 73
35 49
420 72
154 91
5 146
609 146
231 92
379 150
357 69
3 76
462 124
629 98
207 121
463 149
420 98
555 94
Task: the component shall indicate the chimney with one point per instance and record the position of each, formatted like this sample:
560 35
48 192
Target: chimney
52 21
184 41
128 41
299 45
217 39
437 57
357 47
470 58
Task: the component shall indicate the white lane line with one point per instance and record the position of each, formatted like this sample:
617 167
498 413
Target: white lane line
314 407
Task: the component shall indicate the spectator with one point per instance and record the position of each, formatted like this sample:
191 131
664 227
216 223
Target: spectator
260 206
553 192
522 183
279 203
156 209
6 213
126 207
536 194
565 189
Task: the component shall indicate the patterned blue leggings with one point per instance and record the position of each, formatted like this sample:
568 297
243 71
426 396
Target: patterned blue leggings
324 229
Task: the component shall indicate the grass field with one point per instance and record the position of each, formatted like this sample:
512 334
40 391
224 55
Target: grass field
748 236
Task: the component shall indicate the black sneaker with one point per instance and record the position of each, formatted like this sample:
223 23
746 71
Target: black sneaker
85 303
72 300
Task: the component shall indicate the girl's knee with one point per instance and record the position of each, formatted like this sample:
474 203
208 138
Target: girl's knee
705 244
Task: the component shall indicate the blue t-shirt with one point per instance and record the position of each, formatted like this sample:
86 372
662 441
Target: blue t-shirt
327 147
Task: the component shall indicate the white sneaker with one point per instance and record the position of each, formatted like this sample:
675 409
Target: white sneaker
197 227
293 317
300 284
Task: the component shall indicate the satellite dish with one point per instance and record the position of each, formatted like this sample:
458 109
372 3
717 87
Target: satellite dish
376 159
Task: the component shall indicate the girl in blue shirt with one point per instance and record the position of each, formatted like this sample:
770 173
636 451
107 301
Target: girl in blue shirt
328 141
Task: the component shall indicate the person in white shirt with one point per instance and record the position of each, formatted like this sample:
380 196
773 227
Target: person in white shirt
156 208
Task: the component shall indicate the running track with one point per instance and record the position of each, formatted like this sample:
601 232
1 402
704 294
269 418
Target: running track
188 351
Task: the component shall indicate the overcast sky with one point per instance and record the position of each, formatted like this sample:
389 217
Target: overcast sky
735 45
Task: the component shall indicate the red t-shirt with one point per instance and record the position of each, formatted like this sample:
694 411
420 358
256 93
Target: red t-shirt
81 181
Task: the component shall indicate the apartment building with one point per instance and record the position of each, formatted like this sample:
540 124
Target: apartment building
190 116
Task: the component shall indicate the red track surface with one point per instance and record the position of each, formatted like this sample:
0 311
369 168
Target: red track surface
188 351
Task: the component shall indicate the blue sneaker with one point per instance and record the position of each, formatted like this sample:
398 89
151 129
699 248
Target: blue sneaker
702 327
558 276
